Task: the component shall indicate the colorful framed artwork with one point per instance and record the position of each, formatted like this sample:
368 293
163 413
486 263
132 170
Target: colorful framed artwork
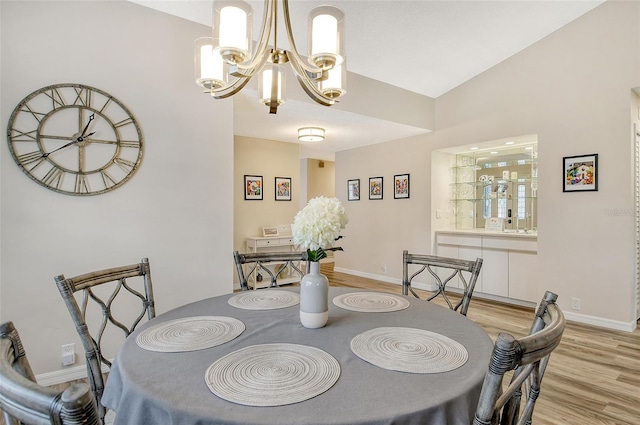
375 187
353 190
401 186
283 188
253 188
580 173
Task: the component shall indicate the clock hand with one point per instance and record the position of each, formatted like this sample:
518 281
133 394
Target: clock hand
79 139
87 126
82 138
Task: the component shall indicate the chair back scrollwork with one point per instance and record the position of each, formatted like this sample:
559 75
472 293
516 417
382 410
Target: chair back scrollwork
257 263
101 289
444 271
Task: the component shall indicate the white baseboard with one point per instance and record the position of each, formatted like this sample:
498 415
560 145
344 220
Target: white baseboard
382 278
600 322
574 317
65 375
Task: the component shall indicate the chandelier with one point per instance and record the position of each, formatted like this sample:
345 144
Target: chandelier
225 62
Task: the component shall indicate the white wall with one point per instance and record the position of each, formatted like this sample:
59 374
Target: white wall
176 210
572 89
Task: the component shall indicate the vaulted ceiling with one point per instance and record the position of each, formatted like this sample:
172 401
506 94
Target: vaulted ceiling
428 47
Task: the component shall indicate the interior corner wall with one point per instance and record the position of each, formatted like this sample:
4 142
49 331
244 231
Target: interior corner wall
572 90
269 159
320 179
174 210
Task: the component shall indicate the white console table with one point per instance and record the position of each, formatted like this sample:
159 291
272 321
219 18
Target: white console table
272 243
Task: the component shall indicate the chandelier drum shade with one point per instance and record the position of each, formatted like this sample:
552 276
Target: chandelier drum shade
226 61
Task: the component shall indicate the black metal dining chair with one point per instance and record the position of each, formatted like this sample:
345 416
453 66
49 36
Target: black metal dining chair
100 288
23 401
443 270
528 357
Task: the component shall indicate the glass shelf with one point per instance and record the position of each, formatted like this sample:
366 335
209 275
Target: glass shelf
491 199
479 183
497 164
510 163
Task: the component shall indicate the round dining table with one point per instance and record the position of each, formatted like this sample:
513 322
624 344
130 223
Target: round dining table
146 387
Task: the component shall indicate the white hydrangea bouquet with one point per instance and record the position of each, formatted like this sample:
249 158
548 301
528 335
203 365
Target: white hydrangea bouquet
317 226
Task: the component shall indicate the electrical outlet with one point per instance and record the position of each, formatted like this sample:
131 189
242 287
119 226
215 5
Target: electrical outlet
575 304
68 354
383 269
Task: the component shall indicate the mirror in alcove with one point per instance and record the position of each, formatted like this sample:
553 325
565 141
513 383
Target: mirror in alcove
486 180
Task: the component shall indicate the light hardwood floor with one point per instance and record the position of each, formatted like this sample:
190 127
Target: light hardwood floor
593 376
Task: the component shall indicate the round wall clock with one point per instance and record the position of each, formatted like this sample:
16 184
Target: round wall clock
75 139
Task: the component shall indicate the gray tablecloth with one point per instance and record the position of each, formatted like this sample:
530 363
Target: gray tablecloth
152 388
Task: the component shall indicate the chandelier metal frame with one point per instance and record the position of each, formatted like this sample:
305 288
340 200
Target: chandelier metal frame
242 70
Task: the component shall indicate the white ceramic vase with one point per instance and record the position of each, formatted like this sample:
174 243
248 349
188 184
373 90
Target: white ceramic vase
314 298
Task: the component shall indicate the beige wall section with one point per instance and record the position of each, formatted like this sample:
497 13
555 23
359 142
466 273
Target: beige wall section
269 159
379 230
442 217
188 150
399 105
572 89
321 180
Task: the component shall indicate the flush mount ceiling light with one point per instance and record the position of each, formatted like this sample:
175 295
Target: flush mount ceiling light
225 62
311 134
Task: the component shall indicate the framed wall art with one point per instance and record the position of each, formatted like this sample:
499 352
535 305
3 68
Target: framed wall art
353 190
401 186
253 188
580 173
375 187
283 188
270 231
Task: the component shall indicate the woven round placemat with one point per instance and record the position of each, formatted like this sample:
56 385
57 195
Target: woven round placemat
371 302
272 374
409 350
190 334
264 299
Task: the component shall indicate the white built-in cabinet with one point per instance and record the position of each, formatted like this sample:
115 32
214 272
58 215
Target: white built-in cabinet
509 267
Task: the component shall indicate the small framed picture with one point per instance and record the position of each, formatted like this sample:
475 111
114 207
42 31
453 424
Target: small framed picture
375 187
270 231
580 173
283 188
353 190
401 186
253 188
